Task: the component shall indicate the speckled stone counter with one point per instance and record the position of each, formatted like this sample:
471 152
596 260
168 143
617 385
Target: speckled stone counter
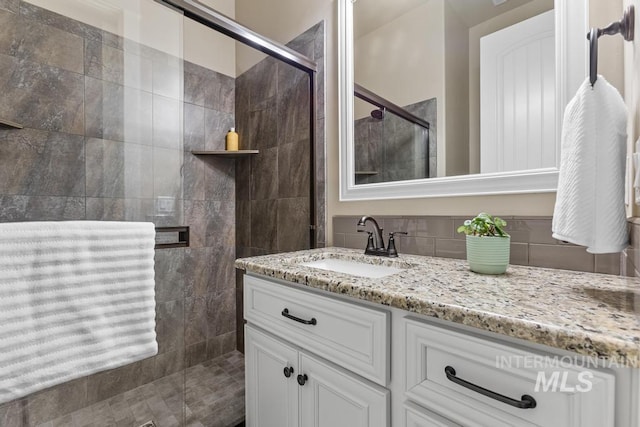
591 314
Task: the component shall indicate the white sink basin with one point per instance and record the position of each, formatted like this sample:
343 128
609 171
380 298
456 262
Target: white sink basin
354 268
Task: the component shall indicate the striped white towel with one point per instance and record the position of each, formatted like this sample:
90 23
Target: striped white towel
75 298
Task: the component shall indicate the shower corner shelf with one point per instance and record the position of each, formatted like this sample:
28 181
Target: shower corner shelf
9 124
227 154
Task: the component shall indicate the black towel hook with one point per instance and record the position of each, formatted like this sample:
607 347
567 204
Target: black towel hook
625 26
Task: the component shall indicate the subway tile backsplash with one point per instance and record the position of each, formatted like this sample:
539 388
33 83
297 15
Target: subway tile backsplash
531 242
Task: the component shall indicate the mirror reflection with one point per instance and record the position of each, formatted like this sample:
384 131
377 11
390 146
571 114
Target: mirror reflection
479 73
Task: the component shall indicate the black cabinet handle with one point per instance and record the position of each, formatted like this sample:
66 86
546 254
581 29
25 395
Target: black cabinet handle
288 371
525 402
286 314
302 379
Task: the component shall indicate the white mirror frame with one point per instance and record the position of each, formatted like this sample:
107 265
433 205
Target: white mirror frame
571 20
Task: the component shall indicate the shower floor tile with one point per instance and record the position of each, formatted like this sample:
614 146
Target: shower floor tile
214 397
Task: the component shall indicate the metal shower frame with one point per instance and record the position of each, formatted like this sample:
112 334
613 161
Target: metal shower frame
227 26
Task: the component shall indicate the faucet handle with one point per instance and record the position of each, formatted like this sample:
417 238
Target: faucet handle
370 245
391 248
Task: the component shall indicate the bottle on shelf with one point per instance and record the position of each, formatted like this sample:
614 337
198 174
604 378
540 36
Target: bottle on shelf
231 140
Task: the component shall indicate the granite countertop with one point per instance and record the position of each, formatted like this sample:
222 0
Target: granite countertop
594 315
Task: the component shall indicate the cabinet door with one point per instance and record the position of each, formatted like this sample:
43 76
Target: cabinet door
271 396
332 397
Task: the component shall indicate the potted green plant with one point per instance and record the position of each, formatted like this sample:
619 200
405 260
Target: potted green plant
488 245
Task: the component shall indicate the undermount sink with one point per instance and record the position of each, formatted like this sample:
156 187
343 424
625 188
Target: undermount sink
354 268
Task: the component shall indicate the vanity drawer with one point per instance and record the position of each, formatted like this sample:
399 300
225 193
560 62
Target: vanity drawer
565 394
415 416
350 335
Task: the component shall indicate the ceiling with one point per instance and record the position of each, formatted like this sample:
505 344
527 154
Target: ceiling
372 14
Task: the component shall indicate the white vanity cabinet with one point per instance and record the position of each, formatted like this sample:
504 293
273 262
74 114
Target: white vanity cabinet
301 352
480 382
317 359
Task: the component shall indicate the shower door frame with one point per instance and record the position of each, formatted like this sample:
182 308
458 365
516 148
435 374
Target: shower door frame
227 26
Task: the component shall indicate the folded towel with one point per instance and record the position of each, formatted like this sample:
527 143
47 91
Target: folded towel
75 298
589 208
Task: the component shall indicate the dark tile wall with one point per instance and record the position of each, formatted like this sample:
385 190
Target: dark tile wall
531 241
107 142
393 149
631 256
273 187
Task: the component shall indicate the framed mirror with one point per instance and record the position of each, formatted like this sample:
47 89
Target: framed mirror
435 133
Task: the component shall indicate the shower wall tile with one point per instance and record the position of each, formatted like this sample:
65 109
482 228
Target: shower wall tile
221 313
264 175
104 168
54 402
293 169
216 126
167 122
104 385
138 164
222 276
193 177
195 320
243 223
168 363
10 5
40 96
41 208
293 216
170 274
167 76
220 93
47 17
219 176
221 227
193 127
202 269
263 126
167 171
11 413
262 82
39 163
48 45
196 353
105 209
293 114
264 221
170 325
104 61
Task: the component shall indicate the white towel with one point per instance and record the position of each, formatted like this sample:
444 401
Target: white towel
589 208
75 298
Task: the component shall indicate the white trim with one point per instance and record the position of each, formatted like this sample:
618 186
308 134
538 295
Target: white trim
571 17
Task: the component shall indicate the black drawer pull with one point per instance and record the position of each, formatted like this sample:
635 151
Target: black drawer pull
288 371
286 314
525 402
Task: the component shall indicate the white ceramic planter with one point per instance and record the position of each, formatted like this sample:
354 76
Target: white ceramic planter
488 255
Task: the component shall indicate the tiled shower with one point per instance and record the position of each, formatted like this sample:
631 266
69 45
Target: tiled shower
109 126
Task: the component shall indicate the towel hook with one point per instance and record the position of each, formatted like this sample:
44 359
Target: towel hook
625 26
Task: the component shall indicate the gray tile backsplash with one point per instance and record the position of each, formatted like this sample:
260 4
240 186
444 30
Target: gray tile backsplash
531 242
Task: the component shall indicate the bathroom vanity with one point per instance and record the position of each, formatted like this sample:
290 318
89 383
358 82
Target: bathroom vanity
422 341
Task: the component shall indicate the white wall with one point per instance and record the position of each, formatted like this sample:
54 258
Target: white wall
453 131
157 26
